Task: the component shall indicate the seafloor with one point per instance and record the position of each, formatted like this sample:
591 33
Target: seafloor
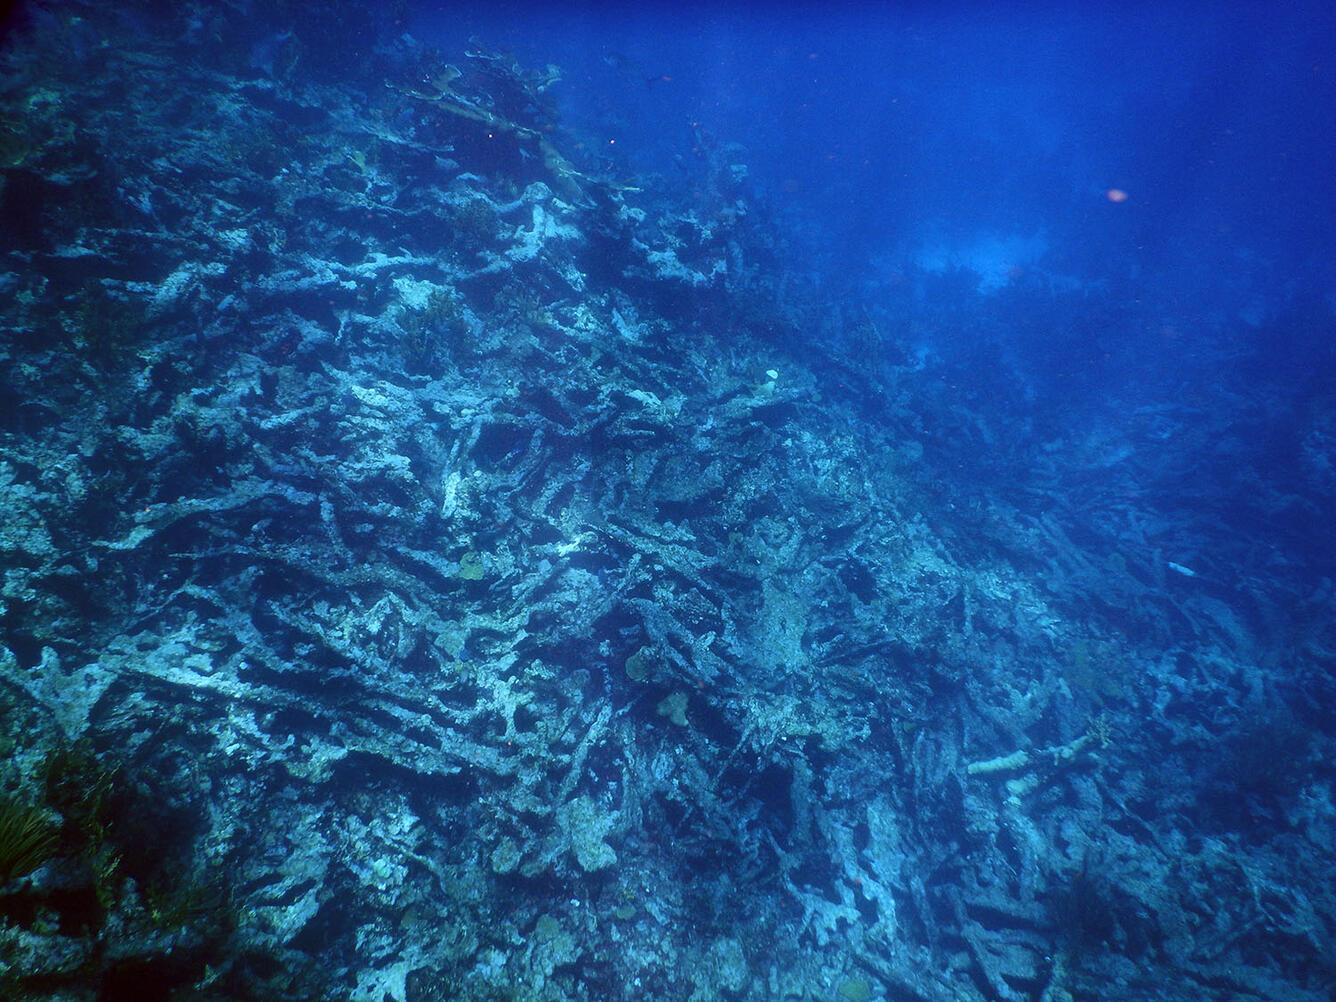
438 567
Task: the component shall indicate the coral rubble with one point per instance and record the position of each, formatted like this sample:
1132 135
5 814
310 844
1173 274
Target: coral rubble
435 569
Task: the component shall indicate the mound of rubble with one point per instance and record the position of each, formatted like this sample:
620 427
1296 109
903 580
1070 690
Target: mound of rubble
436 569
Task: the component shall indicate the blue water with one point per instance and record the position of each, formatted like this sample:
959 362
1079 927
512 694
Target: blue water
980 136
